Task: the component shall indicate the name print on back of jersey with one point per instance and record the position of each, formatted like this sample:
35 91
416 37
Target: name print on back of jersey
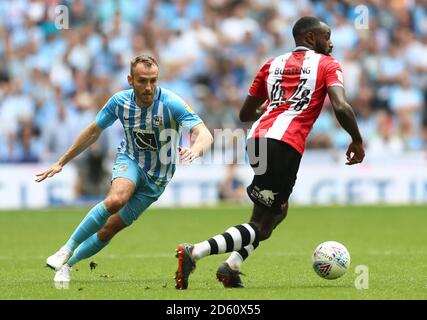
292 71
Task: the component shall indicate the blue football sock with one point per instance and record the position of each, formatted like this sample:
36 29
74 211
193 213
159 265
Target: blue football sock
94 220
87 249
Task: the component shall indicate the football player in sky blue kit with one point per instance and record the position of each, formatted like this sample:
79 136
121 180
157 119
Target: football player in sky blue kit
152 118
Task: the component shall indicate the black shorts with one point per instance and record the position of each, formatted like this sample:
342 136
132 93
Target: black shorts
275 165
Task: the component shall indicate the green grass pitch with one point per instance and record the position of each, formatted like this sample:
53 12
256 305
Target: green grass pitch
140 262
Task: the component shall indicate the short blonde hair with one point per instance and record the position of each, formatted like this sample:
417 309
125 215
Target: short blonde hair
148 61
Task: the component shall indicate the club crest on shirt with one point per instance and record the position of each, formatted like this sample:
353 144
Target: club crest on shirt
157 120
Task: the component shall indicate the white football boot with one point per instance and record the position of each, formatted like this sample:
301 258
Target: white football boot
63 275
59 258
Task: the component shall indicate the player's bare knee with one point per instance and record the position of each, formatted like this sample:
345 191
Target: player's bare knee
114 203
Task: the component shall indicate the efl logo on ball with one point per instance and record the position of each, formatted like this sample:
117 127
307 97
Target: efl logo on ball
331 260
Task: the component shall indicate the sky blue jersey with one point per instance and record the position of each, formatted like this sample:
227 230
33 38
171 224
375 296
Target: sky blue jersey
151 133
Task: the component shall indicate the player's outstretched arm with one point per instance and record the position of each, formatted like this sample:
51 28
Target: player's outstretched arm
202 140
346 118
87 137
250 111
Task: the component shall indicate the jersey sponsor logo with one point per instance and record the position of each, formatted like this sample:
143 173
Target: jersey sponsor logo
292 71
145 140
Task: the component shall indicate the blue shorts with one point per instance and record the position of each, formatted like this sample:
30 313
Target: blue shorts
146 191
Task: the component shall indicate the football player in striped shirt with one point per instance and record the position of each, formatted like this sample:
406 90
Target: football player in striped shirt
152 119
292 88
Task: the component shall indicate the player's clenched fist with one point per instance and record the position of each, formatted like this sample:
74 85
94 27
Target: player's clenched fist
355 153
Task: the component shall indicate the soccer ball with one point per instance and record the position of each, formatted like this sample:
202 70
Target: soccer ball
331 260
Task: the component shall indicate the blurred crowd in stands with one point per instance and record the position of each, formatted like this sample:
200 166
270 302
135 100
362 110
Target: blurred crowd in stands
53 81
